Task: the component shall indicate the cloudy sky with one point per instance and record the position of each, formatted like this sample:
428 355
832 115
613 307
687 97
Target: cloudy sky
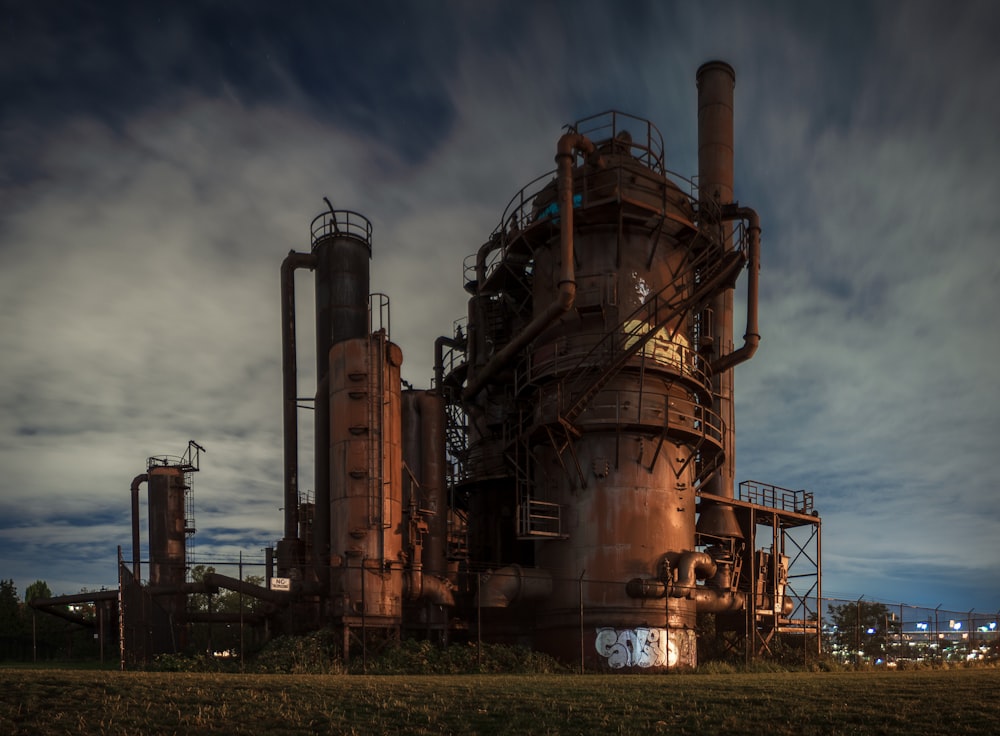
158 160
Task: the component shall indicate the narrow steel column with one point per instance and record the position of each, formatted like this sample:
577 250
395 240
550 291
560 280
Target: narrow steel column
716 81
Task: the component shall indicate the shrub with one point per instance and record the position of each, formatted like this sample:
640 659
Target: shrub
317 653
421 657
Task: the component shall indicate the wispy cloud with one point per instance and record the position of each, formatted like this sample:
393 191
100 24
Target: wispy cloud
153 190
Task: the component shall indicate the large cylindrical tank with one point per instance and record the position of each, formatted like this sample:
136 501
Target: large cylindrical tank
609 418
366 499
628 499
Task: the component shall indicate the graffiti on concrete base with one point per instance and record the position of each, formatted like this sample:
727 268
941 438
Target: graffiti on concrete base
640 647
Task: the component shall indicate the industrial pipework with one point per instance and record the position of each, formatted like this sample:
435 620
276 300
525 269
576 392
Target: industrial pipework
568 480
594 403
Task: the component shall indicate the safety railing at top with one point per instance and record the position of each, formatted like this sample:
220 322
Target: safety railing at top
775 497
341 223
635 136
640 142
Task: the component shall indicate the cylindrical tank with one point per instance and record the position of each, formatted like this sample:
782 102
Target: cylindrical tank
341 242
366 508
166 487
605 423
628 499
425 483
167 537
341 246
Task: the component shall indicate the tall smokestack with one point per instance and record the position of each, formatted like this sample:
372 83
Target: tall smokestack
716 82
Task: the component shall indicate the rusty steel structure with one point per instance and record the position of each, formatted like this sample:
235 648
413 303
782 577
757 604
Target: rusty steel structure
572 468
568 481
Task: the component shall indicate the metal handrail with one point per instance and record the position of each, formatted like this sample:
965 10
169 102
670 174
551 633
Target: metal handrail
346 223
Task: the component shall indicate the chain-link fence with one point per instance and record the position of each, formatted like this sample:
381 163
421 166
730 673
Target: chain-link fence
869 632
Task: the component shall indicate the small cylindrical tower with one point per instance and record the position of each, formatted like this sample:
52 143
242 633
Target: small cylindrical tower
166 510
167 537
341 247
366 500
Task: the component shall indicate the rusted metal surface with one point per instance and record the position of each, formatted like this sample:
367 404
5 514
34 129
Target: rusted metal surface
165 512
598 311
568 481
716 82
366 500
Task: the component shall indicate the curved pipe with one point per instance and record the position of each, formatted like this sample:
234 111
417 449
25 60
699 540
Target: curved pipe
513 583
289 367
690 567
710 600
439 345
134 488
482 254
751 336
428 587
569 144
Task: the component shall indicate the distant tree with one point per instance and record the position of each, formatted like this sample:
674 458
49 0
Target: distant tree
223 635
861 626
199 601
47 631
11 623
38 589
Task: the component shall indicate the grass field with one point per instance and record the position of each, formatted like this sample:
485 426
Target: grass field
918 702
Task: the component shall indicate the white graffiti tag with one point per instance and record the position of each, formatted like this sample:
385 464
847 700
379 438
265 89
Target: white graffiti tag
641 647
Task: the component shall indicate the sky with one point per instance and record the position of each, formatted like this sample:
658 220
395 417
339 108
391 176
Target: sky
158 160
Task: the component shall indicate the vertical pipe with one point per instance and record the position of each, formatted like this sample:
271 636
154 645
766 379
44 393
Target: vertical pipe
716 81
121 613
289 368
432 479
134 488
582 659
566 149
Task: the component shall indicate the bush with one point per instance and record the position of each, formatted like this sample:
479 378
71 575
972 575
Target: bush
413 657
317 653
192 663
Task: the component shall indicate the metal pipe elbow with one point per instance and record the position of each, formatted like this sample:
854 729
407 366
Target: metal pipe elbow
429 588
511 584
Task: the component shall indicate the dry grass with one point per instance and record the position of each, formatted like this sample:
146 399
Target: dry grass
912 703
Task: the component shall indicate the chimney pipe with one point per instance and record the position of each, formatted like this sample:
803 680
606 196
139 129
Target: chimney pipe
289 367
716 81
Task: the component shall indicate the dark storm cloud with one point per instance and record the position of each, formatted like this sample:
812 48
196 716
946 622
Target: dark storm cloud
371 68
159 162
